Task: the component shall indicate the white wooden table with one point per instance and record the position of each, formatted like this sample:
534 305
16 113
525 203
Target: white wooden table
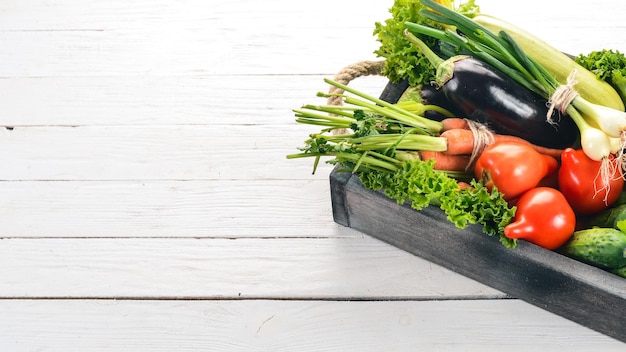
146 203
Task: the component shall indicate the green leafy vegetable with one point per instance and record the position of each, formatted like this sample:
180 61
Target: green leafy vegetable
608 65
402 60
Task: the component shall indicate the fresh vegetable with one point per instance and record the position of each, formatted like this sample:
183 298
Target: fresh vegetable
486 95
504 53
543 217
606 218
454 123
513 168
460 141
446 161
601 247
402 60
559 64
608 65
584 187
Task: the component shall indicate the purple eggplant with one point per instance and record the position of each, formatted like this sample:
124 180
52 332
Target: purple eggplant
486 95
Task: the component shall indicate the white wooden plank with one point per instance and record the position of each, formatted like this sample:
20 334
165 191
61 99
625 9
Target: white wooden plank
262 41
194 38
188 152
30 15
158 100
222 208
179 52
166 268
138 326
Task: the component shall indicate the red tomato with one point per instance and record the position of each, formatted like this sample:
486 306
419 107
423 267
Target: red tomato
543 217
513 168
581 183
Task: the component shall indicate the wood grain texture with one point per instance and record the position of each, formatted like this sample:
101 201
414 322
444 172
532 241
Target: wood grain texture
165 152
276 14
165 100
138 326
204 268
142 208
194 37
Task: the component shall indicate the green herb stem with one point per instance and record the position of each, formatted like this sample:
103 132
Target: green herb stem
419 121
404 141
332 120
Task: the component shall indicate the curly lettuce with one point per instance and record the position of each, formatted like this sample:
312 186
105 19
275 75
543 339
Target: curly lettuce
403 61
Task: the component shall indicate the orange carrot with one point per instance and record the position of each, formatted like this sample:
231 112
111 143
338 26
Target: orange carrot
460 141
445 161
451 123
555 153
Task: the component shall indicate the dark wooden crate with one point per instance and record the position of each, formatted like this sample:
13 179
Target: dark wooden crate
569 288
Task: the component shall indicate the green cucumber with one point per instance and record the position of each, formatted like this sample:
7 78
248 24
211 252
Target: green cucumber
604 248
606 218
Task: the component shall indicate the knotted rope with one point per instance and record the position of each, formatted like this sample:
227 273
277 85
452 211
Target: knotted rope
563 96
483 137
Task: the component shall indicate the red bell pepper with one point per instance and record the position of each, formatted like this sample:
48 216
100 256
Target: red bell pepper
582 184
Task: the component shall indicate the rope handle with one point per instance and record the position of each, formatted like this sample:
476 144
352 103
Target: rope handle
351 72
